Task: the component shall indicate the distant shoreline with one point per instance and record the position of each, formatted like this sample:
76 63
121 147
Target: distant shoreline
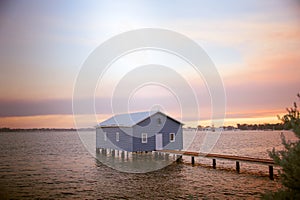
43 129
239 127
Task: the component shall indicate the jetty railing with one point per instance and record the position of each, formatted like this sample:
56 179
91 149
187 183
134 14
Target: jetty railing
214 158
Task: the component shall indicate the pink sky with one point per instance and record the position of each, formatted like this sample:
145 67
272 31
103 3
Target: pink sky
255 47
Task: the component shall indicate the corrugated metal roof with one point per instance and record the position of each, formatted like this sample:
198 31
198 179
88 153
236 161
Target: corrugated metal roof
128 119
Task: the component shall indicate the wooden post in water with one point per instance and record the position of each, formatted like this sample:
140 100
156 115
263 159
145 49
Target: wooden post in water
104 152
166 156
179 159
271 174
193 160
113 153
237 166
214 163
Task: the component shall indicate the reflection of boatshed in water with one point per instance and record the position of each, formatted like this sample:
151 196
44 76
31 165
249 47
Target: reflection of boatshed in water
142 131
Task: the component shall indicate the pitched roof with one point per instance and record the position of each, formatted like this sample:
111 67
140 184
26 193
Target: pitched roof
129 119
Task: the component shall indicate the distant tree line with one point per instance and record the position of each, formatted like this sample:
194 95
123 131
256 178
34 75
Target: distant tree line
277 126
267 126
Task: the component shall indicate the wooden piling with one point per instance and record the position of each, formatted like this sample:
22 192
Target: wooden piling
193 160
104 151
166 156
113 153
271 174
179 159
214 163
237 166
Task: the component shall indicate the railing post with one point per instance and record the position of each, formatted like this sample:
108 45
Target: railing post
214 163
237 166
271 174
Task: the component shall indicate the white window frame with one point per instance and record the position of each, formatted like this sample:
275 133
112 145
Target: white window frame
144 138
117 136
105 136
171 137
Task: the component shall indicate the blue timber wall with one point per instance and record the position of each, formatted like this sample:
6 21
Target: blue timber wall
151 126
125 138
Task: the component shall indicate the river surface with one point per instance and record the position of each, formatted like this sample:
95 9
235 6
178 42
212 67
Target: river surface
56 165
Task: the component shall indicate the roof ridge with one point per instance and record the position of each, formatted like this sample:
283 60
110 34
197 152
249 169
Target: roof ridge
129 113
127 119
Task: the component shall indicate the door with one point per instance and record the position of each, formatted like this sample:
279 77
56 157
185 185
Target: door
158 141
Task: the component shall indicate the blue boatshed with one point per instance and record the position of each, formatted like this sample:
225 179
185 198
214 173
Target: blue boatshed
141 131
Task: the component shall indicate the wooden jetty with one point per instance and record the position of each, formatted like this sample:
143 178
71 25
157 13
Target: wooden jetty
237 159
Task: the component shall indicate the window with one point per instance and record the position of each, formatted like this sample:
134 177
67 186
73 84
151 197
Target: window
117 136
158 121
105 136
144 137
172 137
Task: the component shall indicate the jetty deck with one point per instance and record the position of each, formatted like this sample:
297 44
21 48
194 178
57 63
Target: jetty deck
237 159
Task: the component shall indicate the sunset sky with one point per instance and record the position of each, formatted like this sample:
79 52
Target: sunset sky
254 44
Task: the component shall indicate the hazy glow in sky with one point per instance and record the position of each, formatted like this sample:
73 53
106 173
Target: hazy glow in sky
255 45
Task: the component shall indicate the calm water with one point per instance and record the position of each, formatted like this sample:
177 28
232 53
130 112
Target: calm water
56 165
